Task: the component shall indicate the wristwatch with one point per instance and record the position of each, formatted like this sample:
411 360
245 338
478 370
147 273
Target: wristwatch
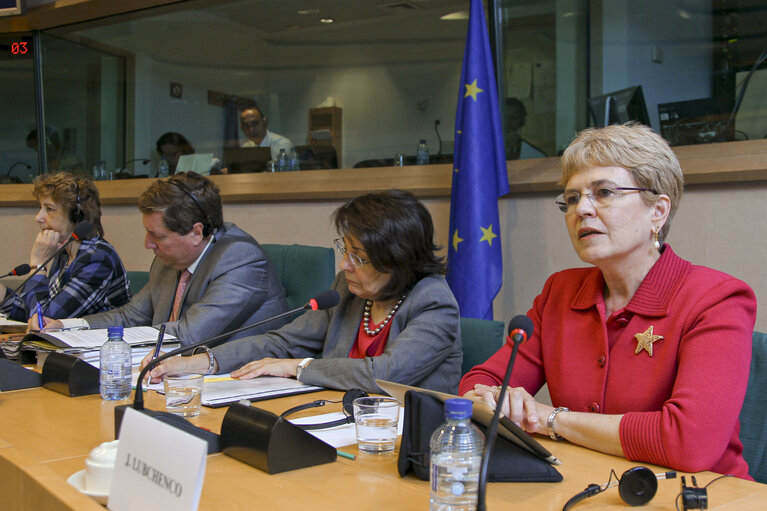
301 366
211 359
550 422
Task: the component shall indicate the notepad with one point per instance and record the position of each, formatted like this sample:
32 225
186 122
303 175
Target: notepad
221 390
134 336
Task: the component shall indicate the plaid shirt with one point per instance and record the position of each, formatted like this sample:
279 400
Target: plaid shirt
96 281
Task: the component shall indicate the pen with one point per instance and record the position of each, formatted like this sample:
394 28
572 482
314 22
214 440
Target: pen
345 454
40 316
159 341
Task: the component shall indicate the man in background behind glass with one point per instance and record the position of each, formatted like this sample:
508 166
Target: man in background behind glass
254 125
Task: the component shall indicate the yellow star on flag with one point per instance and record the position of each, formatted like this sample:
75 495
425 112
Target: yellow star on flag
487 235
645 340
455 169
472 90
456 240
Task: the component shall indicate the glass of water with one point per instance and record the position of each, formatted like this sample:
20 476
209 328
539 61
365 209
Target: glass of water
376 420
183 393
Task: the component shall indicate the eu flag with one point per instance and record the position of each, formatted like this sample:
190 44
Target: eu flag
475 259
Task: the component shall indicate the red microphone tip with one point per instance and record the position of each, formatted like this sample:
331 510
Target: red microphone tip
313 304
518 331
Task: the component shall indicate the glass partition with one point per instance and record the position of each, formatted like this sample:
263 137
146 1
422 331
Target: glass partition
348 83
689 68
84 105
352 83
18 161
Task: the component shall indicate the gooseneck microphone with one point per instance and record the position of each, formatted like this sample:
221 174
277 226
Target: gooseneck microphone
520 329
143 161
18 271
24 164
78 234
325 300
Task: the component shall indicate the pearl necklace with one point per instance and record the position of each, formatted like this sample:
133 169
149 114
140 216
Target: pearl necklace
366 317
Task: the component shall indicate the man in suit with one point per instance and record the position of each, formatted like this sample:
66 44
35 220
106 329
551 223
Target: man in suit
208 276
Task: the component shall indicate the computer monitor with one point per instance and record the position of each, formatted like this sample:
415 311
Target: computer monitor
697 121
246 159
619 107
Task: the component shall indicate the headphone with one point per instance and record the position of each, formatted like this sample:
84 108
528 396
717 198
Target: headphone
77 214
207 225
637 486
348 407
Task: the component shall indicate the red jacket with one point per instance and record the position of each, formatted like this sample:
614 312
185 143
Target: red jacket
680 405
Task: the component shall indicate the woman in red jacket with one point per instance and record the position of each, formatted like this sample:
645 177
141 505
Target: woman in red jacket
646 355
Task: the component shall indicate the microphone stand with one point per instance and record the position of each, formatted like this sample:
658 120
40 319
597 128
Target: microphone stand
81 230
517 336
138 401
16 179
321 301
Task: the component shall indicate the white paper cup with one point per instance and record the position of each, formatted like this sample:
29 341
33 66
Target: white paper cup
99 467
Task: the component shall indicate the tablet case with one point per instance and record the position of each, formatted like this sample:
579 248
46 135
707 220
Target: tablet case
508 462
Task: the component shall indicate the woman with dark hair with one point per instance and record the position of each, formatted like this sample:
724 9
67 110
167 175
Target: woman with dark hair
397 319
171 146
88 276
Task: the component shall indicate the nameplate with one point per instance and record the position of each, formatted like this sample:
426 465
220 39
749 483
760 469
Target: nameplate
157 467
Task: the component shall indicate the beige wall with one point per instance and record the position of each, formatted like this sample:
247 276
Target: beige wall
716 226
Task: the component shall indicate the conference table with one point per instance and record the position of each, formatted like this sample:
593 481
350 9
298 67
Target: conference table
45 437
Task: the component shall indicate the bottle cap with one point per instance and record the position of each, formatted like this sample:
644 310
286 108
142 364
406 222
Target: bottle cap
115 331
458 408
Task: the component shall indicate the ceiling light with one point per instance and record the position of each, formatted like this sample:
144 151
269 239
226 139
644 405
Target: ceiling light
327 20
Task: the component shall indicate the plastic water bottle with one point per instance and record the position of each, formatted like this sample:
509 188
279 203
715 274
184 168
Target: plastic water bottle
422 154
295 162
164 168
283 163
456 455
115 366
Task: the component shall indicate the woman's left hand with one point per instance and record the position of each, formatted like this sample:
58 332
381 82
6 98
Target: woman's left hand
284 367
520 406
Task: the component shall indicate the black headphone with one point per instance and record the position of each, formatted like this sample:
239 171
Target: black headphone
77 214
637 486
206 226
348 407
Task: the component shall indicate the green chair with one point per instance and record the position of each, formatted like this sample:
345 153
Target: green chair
304 270
481 338
137 280
753 416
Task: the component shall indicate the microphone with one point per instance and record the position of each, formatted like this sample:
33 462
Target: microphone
20 270
143 161
325 300
80 232
27 165
520 329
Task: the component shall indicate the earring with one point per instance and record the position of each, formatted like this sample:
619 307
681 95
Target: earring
656 244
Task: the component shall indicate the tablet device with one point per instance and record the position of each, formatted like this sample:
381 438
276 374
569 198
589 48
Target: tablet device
482 413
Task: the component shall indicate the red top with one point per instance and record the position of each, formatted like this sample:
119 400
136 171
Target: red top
680 405
367 346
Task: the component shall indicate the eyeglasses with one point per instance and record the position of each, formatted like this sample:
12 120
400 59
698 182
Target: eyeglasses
600 197
356 260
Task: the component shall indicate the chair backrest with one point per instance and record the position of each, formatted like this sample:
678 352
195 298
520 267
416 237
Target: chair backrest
753 416
303 270
137 280
481 338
